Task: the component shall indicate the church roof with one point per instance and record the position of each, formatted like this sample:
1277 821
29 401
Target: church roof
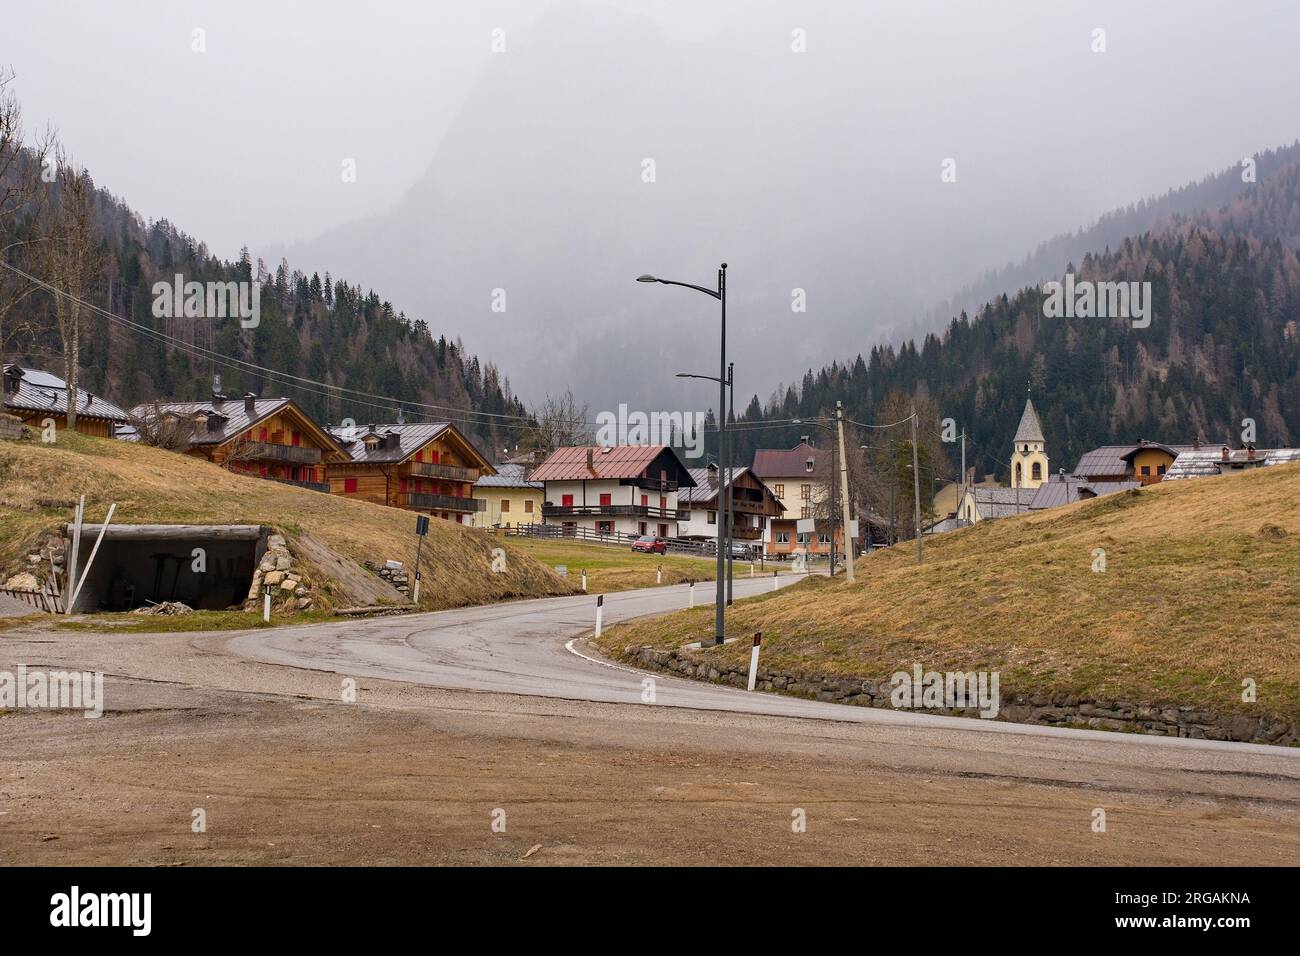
1030 428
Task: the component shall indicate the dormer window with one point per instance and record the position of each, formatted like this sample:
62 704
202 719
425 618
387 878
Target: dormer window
808 465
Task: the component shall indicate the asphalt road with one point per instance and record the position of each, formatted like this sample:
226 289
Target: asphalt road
528 648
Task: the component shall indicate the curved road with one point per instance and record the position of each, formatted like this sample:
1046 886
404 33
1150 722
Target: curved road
527 647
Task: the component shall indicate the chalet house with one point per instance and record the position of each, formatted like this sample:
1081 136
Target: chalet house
265 437
429 467
509 498
1146 462
34 396
803 491
623 489
752 503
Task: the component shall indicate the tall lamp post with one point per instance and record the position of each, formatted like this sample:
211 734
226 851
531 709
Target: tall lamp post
721 295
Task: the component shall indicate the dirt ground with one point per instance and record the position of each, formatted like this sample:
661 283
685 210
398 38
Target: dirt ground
287 773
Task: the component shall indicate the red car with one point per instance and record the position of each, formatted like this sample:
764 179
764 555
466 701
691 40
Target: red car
649 544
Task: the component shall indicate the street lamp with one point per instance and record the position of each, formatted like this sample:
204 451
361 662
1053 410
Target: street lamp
721 295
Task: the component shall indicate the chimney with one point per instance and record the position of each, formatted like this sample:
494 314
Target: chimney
591 466
1225 454
372 428
250 403
1250 451
803 439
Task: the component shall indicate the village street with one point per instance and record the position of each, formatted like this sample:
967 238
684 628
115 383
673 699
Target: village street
462 713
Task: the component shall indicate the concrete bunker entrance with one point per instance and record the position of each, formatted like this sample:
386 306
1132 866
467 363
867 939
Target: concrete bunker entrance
208 567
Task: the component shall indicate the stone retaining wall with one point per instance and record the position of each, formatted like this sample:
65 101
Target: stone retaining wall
1162 720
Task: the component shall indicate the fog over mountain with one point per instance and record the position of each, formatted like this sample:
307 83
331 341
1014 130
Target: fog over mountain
816 170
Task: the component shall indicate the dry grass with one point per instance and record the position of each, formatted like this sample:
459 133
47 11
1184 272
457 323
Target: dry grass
1201 590
619 568
39 483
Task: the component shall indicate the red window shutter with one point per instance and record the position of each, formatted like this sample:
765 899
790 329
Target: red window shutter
645 501
606 501
419 456
566 501
261 435
349 485
296 440
433 456
403 489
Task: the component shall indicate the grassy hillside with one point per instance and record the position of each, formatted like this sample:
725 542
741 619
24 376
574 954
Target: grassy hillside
1201 590
39 484
618 568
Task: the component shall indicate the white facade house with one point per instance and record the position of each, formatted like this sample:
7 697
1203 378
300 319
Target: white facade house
753 504
613 490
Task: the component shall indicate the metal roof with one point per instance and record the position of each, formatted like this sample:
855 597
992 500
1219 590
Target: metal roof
1207 462
509 475
1001 502
39 391
706 487
411 438
1069 489
616 461
781 463
237 417
1030 428
1110 460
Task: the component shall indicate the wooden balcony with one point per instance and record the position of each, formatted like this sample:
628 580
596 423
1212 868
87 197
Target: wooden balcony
649 484
423 502
447 472
611 511
268 451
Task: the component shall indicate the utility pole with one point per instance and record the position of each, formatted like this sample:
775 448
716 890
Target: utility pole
830 517
916 488
844 494
961 485
731 514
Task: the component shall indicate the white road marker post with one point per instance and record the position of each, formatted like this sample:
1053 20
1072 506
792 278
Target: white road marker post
659 575
266 604
751 569
774 579
753 659
584 582
600 612
691 592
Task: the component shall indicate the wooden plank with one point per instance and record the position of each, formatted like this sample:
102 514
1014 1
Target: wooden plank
155 532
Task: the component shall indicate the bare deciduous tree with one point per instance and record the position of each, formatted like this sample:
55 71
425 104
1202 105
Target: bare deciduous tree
72 259
558 422
158 429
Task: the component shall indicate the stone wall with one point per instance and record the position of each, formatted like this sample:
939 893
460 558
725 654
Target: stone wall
1063 710
278 571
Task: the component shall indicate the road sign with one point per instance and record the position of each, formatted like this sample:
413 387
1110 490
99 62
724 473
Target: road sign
421 525
806 525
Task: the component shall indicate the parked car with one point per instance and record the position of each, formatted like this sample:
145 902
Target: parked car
650 544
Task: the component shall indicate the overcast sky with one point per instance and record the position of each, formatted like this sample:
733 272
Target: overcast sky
524 170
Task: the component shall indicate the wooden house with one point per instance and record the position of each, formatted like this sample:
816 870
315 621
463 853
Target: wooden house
35 396
427 467
264 437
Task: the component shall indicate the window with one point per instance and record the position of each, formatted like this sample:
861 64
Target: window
349 486
808 465
1160 469
402 487
528 506
713 517
1037 471
505 505
783 537
641 528
296 440
823 537
645 501
606 500
604 527
805 492
805 511
1146 469
566 501
1019 473
780 490
684 515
